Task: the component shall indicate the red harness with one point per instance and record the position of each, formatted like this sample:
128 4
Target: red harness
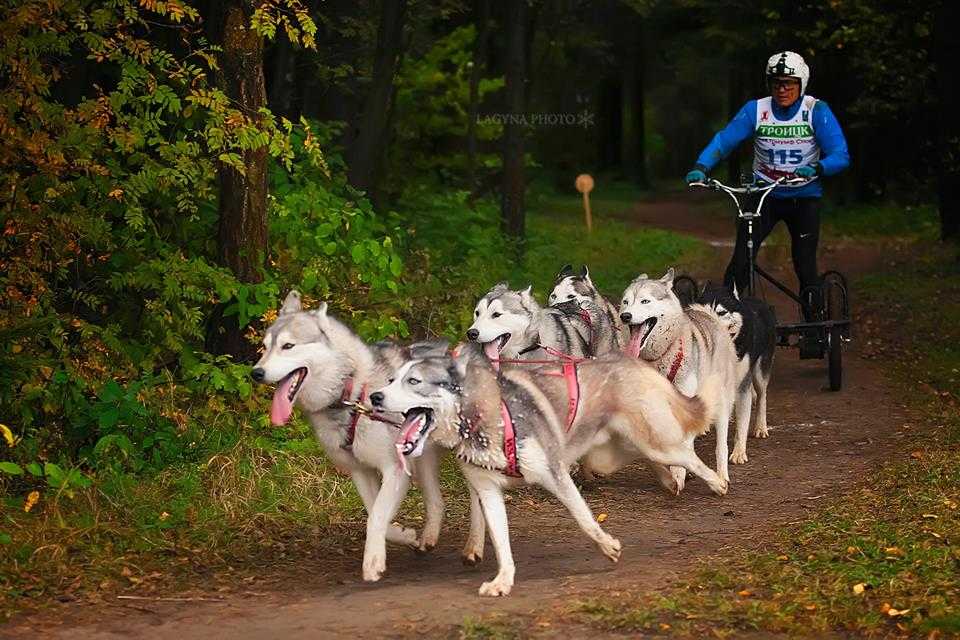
677 362
357 410
509 442
568 371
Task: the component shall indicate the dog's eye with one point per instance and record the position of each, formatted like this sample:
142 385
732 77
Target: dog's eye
495 314
644 301
721 313
476 314
390 380
570 297
287 346
624 302
413 381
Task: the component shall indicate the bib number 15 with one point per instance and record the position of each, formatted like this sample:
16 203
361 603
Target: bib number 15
782 156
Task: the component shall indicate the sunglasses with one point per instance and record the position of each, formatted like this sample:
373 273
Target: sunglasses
784 84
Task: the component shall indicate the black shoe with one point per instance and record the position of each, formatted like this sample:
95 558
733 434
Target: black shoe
811 304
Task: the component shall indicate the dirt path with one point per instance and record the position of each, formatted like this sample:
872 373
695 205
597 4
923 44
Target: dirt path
821 443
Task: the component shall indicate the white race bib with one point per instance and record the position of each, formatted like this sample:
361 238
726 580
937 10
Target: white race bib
780 147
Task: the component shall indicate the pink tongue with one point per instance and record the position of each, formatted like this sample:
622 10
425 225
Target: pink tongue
281 408
636 337
410 427
492 351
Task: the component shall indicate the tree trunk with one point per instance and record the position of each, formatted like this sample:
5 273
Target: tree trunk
632 140
363 155
946 49
511 207
482 24
242 231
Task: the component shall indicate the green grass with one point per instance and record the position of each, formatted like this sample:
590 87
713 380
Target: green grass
883 219
882 561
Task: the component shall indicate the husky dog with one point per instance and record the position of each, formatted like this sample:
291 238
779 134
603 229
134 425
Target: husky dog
629 410
753 326
321 366
686 345
569 288
510 324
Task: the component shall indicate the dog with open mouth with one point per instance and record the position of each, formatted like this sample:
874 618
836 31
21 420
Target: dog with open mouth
512 325
506 430
325 369
687 345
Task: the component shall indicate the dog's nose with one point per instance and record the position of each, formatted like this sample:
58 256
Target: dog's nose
473 334
258 374
626 316
376 399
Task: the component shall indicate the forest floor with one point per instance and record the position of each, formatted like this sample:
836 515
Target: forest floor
822 445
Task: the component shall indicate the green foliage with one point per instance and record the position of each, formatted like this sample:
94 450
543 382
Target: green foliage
432 113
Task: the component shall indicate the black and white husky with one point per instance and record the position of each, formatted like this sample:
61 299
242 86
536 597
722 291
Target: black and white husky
752 324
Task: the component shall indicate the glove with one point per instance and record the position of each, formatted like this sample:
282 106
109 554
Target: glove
806 172
696 175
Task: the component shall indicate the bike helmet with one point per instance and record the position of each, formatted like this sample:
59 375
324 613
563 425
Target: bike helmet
791 65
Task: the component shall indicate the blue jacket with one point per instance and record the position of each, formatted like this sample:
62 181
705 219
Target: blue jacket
834 156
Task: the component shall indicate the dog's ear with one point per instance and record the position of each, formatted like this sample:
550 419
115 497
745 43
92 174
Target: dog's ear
642 276
526 296
667 278
585 273
499 288
736 294
320 314
429 349
291 304
461 360
565 270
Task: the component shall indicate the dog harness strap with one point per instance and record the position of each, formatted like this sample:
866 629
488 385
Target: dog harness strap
509 442
677 362
354 414
533 347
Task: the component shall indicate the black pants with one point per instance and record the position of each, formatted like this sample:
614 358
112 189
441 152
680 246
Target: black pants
802 218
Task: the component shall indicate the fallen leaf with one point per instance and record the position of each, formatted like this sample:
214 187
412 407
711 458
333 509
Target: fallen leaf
782 558
917 455
859 588
601 517
164 515
895 552
745 593
664 626
7 435
885 607
852 549
31 501
893 613
810 607
929 516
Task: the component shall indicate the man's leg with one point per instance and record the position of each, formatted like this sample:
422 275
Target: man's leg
804 226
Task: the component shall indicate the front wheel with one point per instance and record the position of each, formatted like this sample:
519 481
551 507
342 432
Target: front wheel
835 298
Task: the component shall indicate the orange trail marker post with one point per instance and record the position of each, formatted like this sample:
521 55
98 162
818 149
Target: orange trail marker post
584 184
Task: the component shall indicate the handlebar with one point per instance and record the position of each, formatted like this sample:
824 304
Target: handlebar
733 192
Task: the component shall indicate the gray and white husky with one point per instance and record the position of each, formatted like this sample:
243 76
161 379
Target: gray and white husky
320 365
628 411
752 324
511 324
685 344
571 288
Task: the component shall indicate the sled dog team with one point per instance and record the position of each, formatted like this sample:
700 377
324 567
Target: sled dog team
534 392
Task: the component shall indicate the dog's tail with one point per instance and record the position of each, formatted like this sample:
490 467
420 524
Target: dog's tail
696 414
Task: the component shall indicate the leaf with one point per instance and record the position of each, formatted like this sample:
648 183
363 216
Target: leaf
35 470
859 588
11 468
32 498
55 475
601 517
7 435
5 538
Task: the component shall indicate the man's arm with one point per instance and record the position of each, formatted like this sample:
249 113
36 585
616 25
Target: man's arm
834 156
729 138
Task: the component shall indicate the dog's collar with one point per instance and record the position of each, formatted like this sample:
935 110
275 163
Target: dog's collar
532 347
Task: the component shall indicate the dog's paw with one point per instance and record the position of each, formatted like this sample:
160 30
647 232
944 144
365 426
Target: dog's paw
471 558
374 566
739 456
679 478
721 488
761 432
610 548
428 542
404 536
496 587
